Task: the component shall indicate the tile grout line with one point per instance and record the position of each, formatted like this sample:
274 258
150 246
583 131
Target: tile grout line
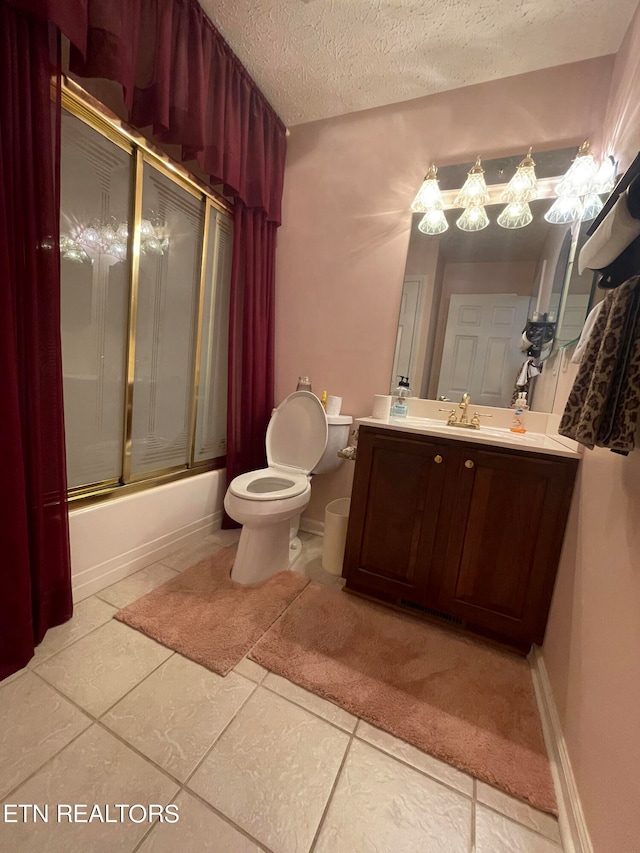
406 763
77 640
331 793
473 816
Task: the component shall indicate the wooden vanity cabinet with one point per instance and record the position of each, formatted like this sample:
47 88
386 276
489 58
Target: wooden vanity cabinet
461 532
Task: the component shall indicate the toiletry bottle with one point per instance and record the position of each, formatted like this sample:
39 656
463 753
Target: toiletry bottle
323 400
518 420
400 395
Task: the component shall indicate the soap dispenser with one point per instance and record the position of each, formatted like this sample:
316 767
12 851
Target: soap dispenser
518 420
400 395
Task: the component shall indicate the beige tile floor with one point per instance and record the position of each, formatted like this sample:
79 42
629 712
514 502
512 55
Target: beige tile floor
103 715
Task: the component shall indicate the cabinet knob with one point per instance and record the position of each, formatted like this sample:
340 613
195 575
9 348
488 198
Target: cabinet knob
469 463
437 459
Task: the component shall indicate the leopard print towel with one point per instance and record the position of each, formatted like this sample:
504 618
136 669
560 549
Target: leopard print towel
602 409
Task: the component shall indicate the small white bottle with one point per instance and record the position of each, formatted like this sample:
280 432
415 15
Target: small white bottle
399 405
518 420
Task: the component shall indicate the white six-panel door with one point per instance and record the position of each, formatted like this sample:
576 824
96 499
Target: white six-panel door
481 353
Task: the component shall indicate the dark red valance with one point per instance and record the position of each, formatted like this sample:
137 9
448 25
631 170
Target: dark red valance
182 79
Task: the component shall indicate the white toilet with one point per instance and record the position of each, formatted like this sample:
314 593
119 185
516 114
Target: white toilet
301 440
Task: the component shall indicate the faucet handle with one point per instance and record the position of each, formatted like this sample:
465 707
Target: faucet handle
475 420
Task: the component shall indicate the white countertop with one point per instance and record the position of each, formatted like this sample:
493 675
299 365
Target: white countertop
529 442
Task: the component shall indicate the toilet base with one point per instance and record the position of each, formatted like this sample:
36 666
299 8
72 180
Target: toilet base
262 552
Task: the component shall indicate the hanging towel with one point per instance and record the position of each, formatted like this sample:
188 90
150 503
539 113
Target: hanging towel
603 406
616 231
587 329
528 371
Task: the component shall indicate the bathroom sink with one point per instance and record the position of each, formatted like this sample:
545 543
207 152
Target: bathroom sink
530 441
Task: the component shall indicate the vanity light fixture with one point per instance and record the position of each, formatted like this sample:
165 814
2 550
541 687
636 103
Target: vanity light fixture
429 196
434 222
606 177
581 174
517 214
592 205
110 238
474 218
474 190
578 191
566 209
523 186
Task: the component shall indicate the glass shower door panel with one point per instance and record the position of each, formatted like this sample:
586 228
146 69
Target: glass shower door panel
165 338
211 420
95 191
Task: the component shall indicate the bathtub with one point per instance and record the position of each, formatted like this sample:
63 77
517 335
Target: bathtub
115 538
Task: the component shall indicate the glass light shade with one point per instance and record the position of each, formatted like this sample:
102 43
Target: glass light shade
146 228
429 196
581 174
564 210
434 222
606 177
473 219
592 205
523 186
474 191
89 237
515 215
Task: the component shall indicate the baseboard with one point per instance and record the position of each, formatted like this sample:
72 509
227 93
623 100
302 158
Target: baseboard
104 574
310 525
573 827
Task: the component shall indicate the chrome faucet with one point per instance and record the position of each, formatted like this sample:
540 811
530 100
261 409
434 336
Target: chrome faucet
463 419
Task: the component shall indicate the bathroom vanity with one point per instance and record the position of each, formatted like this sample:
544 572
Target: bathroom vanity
464 527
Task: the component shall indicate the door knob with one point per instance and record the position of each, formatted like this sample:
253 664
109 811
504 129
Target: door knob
437 459
469 463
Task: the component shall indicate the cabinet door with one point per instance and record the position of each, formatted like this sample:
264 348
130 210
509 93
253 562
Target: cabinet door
504 542
395 504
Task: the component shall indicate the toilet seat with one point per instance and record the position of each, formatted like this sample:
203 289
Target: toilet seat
269 484
296 439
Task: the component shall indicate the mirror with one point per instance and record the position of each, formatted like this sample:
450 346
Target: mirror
468 296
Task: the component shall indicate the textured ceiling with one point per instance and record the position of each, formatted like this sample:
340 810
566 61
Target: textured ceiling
319 58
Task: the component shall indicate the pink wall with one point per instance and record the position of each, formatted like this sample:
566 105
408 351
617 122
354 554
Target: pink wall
349 182
592 647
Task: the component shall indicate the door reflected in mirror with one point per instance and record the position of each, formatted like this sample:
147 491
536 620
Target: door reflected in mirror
468 296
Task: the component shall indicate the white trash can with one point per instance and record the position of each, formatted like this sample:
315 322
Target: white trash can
336 518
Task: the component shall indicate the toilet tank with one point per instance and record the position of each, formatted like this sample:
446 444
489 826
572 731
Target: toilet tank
337 438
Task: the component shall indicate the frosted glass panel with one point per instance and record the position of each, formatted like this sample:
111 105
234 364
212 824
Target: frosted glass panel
211 422
95 187
171 249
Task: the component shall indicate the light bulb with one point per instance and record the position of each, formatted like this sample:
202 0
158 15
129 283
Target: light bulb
581 174
434 222
429 196
474 191
473 219
523 186
515 215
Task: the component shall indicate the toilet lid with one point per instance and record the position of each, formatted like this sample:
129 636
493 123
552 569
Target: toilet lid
297 432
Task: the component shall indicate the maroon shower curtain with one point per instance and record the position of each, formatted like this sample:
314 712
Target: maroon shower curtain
34 538
183 85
